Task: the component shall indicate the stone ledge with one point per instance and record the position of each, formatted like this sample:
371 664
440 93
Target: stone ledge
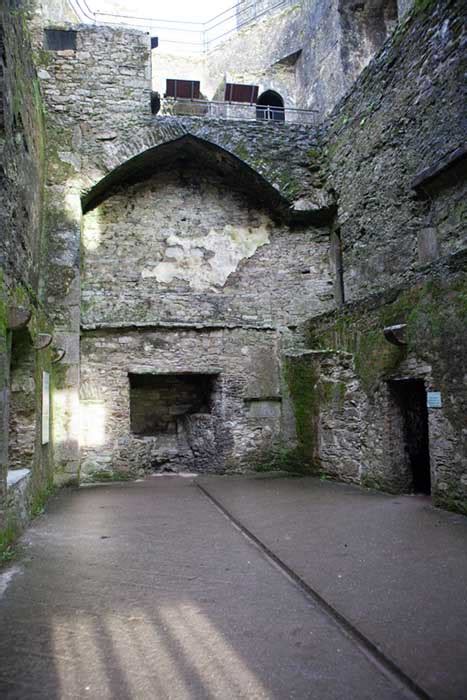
446 168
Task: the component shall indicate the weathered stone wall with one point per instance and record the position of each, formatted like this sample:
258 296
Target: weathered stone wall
22 278
255 55
310 52
246 368
22 156
405 112
353 428
182 248
399 173
98 92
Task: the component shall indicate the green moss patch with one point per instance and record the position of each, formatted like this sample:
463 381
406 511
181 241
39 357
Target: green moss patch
301 377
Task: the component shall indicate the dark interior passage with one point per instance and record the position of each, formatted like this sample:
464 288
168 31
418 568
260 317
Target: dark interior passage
157 401
410 399
270 106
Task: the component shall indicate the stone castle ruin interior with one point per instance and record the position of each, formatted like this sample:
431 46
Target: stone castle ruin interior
248 257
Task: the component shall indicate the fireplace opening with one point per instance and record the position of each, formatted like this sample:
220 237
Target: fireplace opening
158 401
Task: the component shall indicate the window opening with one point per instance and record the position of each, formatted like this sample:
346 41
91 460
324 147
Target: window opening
60 39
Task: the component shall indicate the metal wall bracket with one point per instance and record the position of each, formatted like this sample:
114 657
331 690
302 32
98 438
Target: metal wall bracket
43 341
396 334
18 317
59 354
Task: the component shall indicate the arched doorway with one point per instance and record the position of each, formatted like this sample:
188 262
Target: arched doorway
270 107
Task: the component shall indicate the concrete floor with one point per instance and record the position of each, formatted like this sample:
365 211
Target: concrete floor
148 590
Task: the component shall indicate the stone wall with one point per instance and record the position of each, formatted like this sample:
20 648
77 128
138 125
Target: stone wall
353 431
396 162
23 272
404 114
245 367
99 124
94 93
310 52
183 248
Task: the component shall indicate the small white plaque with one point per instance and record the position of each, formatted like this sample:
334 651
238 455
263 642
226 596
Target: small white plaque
45 408
433 399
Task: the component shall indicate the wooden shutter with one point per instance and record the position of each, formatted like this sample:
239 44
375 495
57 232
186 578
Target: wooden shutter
234 92
186 89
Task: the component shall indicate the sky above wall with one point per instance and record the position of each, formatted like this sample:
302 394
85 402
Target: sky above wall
185 10
169 21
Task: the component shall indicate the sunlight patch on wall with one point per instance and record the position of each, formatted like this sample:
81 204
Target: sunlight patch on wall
91 235
92 423
66 419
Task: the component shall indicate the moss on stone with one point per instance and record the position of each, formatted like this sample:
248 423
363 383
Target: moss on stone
302 379
421 6
282 460
104 476
40 498
8 536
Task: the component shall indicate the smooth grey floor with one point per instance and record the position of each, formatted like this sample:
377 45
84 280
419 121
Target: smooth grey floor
145 590
393 566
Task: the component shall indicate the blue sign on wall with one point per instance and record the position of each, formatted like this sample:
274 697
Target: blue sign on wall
433 399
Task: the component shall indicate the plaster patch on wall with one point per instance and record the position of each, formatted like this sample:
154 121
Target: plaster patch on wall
207 261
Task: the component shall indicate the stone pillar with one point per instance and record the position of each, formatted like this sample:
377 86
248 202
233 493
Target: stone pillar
64 217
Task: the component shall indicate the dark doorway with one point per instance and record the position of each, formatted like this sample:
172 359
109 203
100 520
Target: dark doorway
411 403
270 107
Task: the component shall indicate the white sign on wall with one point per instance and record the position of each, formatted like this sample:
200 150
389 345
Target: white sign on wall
45 407
433 399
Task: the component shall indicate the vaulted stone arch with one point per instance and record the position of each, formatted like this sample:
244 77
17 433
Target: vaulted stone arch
268 165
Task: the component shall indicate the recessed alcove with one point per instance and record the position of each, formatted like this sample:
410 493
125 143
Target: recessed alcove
158 401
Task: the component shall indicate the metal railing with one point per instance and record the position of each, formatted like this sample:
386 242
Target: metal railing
181 35
236 111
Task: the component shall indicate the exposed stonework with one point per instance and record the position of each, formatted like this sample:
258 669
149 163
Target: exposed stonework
198 253
282 161
245 364
374 155
26 462
309 52
220 288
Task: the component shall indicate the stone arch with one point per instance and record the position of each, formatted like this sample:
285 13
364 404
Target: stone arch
268 163
177 149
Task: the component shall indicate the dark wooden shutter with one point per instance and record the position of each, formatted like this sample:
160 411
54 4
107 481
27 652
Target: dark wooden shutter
186 89
234 92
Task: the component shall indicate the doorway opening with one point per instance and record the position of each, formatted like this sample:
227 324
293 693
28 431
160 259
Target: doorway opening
270 107
410 403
